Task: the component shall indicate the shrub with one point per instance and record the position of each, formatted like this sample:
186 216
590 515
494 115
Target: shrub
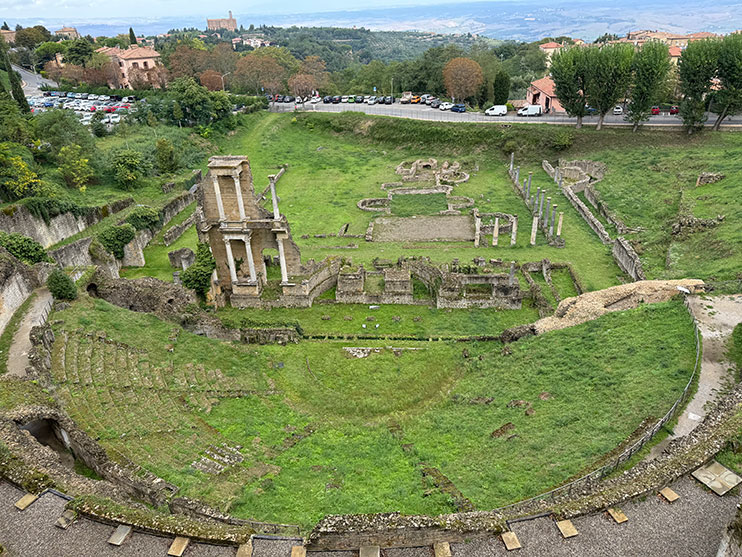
114 238
129 168
24 248
75 168
47 208
61 285
165 156
198 275
144 217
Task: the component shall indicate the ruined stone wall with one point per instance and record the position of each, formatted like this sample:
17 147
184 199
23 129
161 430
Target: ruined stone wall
627 259
172 234
587 215
17 281
75 254
17 218
134 250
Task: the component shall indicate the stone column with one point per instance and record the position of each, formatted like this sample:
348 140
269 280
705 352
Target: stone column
556 174
523 191
553 217
238 191
230 260
534 228
477 229
276 213
541 203
250 260
512 160
517 175
514 232
559 225
530 175
511 276
534 205
545 217
528 188
282 258
561 185
218 195
496 231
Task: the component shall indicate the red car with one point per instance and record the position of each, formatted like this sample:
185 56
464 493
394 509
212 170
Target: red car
655 110
674 110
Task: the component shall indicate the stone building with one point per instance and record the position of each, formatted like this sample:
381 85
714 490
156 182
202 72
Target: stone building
229 23
239 229
70 33
135 62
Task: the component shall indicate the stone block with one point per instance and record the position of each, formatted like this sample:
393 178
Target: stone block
245 550
511 541
669 495
566 528
442 549
618 515
298 551
369 551
119 535
178 547
24 502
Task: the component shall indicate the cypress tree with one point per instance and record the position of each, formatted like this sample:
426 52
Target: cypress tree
132 37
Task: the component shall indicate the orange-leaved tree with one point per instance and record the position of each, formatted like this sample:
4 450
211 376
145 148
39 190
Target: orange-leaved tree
462 78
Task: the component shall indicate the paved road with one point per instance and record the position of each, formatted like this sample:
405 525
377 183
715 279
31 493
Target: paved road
417 112
32 82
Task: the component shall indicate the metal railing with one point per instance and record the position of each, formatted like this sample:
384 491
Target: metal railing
609 468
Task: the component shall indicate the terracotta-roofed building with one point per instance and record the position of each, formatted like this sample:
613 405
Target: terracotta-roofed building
675 53
7 35
542 92
137 62
68 33
549 49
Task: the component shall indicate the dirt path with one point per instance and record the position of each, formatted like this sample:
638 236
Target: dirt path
716 318
21 345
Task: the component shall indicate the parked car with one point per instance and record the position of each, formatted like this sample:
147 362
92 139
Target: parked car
655 110
337 99
435 103
289 99
415 100
371 100
458 108
674 110
446 106
344 99
315 100
617 110
389 100
497 110
359 98
531 110
406 97
430 99
327 99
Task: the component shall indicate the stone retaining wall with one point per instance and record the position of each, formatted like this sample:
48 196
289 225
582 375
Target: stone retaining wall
173 233
627 259
17 218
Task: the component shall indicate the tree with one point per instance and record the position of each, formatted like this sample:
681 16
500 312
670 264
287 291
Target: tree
302 84
198 275
501 87
97 126
132 37
607 37
462 78
17 179
255 72
186 61
316 67
16 89
211 79
74 167
696 68
5 26
728 100
61 285
13 126
79 52
165 156
31 37
47 51
609 77
194 100
177 113
569 70
650 68
128 168
60 128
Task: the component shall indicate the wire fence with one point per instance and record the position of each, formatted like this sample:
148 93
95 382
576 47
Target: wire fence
614 464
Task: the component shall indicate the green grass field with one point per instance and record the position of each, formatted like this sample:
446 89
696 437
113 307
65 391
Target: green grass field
322 431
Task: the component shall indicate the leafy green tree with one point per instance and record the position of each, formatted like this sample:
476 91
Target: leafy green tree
17 178
177 113
46 51
696 68
144 217
569 70
198 275
501 87
79 52
16 89
728 100
128 168
97 126
114 238
13 126
194 100
5 26
650 68
609 77
31 37
61 285
606 37
74 167
61 127
132 36
165 156
24 248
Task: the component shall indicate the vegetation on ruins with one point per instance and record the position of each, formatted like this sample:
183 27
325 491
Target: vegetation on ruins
114 238
24 248
61 285
198 275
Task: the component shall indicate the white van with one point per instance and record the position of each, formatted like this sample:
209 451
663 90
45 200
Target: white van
497 110
531 110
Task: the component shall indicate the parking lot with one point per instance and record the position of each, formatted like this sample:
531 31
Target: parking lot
84 105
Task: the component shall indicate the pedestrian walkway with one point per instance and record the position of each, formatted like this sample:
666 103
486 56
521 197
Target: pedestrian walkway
20 348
